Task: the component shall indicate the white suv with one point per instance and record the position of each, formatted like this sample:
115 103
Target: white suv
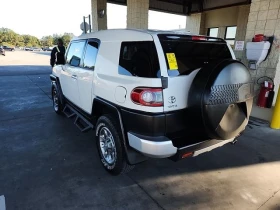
152 94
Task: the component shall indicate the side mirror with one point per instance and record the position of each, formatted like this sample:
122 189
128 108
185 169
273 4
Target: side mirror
75 61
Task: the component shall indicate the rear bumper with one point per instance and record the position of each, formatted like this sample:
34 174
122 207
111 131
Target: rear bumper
159 147
199 148
176 126
162 147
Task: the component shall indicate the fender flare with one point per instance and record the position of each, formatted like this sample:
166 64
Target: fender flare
56 83
133 157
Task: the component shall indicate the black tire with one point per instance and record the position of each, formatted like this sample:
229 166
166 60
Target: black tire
57 106
119 164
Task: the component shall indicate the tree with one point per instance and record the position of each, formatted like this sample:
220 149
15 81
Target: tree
47 41
9 37
20 41
31 41
55 38
66 38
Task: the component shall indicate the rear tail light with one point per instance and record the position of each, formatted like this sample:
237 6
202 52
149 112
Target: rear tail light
198 38
147 96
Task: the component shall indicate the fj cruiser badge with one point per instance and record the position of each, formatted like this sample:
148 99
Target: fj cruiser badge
172 99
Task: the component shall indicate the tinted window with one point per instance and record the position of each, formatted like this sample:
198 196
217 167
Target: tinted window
75 53
184 55
90 55
139 59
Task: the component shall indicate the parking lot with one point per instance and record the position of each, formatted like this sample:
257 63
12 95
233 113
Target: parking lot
47 163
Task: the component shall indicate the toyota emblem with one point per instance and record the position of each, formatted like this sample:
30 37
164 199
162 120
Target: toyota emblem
172 99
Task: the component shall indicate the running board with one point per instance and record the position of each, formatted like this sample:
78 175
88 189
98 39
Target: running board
83 124
69 111
80 121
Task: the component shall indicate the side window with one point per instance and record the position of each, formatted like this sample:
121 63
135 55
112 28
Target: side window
139 59
90 55
75 53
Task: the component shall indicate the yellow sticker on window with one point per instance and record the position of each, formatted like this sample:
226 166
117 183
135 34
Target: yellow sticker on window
172 62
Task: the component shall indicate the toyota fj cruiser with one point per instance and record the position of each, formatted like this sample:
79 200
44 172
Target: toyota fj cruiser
152 94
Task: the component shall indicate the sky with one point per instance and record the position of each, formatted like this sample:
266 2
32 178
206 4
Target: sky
40 18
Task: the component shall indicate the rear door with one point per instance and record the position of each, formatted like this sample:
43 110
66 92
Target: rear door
69 77
181 57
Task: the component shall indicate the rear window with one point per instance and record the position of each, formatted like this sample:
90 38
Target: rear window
184 55
139 59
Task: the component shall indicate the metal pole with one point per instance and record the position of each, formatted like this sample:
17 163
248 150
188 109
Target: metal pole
275 122
89 21
85 31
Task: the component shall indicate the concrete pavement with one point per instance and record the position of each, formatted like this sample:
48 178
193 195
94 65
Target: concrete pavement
46 163
24 63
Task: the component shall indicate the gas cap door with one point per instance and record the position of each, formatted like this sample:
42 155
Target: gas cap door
120 94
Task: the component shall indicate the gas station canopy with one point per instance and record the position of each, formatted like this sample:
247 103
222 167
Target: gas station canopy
187 7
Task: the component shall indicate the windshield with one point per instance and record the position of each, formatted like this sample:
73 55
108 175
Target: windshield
184 55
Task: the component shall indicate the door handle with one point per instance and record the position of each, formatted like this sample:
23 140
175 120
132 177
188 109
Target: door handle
74 76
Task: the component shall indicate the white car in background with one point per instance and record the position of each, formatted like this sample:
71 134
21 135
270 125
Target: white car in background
35 49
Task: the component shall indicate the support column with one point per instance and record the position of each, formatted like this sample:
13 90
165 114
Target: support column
195 23
242 20
98 22
222 32
137 14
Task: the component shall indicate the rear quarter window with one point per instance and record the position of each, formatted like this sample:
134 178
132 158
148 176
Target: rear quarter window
139 59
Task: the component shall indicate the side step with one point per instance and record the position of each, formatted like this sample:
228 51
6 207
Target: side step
69 111
83 124
80 121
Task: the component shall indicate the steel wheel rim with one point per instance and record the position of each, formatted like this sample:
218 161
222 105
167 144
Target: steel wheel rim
107 145
55 100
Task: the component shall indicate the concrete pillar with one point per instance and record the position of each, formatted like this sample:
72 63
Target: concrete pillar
242 20
195 23
98 22
137 14
222 32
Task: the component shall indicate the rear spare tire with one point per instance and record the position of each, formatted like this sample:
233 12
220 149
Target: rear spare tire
220 100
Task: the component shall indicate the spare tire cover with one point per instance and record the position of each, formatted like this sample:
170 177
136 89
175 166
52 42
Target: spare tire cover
220 100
